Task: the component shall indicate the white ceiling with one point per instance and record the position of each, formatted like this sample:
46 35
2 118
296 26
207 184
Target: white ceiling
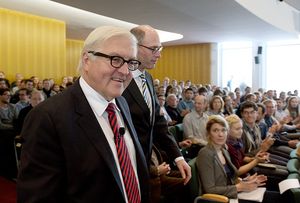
197 20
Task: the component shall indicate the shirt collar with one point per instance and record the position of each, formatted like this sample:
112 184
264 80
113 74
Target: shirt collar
137 73
97 102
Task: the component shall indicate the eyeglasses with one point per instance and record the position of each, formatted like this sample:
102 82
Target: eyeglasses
118 61
153 49
249 112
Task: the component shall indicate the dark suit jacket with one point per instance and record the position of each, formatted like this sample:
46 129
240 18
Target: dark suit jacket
149 130
66 157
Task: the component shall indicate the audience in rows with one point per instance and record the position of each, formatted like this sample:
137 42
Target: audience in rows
258 124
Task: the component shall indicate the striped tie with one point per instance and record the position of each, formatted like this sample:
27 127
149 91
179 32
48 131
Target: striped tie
145 91
128 174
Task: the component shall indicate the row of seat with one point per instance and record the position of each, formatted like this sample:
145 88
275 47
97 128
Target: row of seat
294 173
195 184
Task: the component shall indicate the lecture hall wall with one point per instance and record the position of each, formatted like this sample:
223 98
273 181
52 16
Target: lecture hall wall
34 45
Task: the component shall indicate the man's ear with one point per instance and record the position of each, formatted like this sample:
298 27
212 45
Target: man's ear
85 58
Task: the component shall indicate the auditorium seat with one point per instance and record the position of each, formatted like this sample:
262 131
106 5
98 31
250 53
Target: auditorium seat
195 190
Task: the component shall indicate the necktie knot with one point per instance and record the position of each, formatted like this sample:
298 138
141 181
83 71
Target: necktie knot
110 108
142 76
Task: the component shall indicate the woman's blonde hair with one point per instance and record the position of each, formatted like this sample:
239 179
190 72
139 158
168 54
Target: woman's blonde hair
232 119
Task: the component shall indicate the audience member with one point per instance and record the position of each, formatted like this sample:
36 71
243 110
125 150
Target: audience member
163 111
172 109
216 106
47 91
23 102
36 97
186 104
228 106
293 109
8 115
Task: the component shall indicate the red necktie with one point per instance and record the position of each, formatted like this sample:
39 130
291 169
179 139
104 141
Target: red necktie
128 174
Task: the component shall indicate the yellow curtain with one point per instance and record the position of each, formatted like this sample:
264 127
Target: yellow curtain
185 62
32 45
73 51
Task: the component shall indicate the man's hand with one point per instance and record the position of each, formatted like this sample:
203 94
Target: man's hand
185 143
185 170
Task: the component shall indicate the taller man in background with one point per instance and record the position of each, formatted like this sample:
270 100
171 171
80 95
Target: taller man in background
80 145
151 127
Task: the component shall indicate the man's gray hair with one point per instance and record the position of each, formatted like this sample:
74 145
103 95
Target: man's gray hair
101 34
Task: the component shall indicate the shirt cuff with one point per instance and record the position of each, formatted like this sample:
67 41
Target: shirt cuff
179 159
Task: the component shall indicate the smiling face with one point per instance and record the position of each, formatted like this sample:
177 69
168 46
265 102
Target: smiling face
146 56
97 71
236 130
249 115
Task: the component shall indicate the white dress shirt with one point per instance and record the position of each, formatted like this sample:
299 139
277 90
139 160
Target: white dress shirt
99 105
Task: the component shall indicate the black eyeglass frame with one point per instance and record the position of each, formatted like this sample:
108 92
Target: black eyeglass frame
131 66
153 49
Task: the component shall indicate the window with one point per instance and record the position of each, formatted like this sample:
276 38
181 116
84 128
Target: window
283 66
236 64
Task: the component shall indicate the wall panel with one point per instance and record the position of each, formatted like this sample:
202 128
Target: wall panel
185 62
32 45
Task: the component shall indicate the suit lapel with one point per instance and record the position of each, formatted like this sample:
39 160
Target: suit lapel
92 130
152 93
135 92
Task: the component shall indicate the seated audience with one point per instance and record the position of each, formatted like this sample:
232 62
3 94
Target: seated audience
217 173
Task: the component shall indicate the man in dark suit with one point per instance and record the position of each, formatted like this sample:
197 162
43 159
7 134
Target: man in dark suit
69 153
151 127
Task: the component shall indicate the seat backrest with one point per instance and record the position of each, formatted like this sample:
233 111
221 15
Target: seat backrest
179 132
293 166
194 183
195 188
